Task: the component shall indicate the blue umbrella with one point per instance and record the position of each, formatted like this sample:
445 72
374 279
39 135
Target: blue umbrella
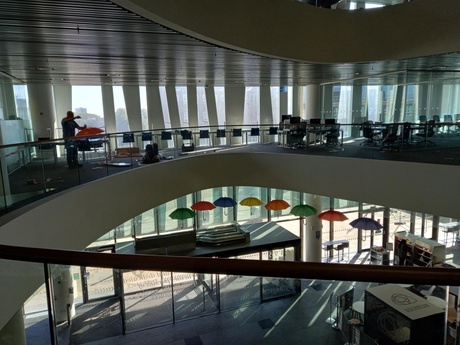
225 202
366 224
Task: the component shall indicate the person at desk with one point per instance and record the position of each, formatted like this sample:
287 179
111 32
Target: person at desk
402 252
68 130
151 154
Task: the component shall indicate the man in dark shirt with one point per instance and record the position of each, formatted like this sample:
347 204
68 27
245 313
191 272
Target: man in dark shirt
68 130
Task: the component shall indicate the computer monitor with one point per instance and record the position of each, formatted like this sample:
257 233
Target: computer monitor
329 121
315 121
295 120
285 117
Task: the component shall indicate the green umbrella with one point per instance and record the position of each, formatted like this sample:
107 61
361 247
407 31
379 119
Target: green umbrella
303 211
182 213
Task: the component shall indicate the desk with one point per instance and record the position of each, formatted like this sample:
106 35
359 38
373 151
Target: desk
450 228
328 246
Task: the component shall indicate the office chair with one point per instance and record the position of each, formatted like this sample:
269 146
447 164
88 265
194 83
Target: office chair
436 119
449 121
332 136
186 135
390 137
372 138
220 133
128 137
236 132
422 119
166 135
428 132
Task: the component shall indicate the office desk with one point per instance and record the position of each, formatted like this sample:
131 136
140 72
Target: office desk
450 228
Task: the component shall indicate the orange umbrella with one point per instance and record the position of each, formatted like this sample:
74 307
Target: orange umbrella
277 205
89 131
332 216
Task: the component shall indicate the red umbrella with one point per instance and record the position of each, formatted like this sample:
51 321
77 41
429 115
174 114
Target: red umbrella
203 206
277 205
332 216
89 131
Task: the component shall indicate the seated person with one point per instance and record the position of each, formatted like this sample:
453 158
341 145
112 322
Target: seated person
151 154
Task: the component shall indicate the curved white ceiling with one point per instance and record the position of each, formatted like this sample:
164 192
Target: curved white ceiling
295 31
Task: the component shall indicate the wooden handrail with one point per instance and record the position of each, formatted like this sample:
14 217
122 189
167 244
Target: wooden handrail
286 269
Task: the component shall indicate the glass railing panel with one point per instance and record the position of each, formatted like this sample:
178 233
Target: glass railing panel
147 299
192 297
237 291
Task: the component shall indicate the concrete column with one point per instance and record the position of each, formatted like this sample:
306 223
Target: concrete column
192 106
386 226
266 111
108 104
311 233
326 102
9 104
133 107
297 101
212 106
154 109
63 103
435 230
234 105
14 332
173 107
284 101
42 111
313 101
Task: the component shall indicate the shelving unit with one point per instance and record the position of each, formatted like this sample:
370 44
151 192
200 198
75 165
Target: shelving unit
428 253
380 256
421 251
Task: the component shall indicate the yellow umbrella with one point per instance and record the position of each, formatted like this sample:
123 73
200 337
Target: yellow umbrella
251 201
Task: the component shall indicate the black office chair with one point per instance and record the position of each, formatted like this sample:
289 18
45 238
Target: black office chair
273 131
186 134
333 135
128 137
147 136
204 134
428 132
405 136
437 121
372 138
448 124
390 137
422 119
236 132
165 135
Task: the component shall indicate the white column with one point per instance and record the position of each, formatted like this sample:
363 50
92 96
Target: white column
133 107
212 106
42 111
63 293
313 101
154 109
266 111
234 105
14 332
192 106
173 107
312 230
284 103
63 103
9 105
108 104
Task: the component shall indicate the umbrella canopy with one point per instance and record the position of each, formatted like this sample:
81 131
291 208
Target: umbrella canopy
303 211
366 224
225 201
89 131
182 213
203 206
277 205
332 216
251 201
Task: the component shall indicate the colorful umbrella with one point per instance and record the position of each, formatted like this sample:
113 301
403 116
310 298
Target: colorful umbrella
225 201
182 213
89 131
277 205
251 201
203 206
303 211
332 216
366 224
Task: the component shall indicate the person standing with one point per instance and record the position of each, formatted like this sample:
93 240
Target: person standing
402 252
68 131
